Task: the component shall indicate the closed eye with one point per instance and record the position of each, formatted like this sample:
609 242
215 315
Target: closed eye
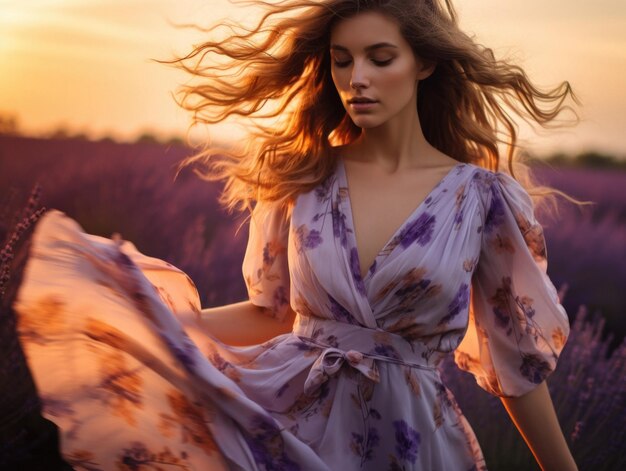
342 64
382 63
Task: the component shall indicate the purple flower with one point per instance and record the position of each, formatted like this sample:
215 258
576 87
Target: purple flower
339 224
280 298
267 445
268 259
355 268
313 239
386 351
458 218
136 456
501 302
322 191
459 303
264 428
495 214
534 368
407 441
414 288
420 230
340 313
307 239
502 318
219 361
364 446
184 353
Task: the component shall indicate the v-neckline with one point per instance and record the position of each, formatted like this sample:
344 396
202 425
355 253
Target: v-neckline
348 208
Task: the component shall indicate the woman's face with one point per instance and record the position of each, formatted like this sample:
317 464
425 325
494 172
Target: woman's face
371 62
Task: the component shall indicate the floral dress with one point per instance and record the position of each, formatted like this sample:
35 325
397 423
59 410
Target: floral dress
133 385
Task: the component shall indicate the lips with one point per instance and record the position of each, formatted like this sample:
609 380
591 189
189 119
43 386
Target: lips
361 100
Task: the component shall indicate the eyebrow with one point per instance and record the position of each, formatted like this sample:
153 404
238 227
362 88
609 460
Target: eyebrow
368 48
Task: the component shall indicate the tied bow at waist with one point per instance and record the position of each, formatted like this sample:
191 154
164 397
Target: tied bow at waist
357 346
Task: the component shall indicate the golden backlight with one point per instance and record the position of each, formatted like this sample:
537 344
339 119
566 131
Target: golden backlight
84 65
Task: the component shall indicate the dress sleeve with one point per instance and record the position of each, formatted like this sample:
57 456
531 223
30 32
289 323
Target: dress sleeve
265 266
517 326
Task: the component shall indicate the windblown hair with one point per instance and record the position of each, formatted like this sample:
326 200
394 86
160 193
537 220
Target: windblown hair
281 70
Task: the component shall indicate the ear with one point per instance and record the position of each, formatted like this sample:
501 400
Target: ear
425 68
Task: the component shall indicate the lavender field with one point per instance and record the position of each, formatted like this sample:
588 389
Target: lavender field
130 189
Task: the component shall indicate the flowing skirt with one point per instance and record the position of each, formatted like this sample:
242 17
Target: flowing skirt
109 337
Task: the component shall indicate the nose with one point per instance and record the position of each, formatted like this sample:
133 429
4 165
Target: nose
359 78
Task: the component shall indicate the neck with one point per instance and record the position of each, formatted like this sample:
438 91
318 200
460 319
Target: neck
397 144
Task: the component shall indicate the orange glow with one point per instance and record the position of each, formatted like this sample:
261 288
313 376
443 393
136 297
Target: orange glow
86 66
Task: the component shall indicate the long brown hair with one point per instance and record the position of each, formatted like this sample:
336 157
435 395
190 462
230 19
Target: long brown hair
281 69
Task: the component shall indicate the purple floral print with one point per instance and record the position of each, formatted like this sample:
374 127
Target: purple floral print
322 192
267 447
386 350
340 229
534 368
407 441
307 239
412 287
268 256
501 302
339 312
420 230
375 342
363 446
280 297
356 272
459 303
496 212
184 353
136 457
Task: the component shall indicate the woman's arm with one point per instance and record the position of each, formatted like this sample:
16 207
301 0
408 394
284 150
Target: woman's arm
242 323
534 416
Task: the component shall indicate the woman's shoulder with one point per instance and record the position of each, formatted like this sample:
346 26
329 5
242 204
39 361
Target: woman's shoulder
475 177
498 191
487 180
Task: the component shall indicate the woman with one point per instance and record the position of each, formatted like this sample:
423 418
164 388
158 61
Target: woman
382 238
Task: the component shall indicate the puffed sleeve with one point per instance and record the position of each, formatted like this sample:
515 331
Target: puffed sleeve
265 266
517 326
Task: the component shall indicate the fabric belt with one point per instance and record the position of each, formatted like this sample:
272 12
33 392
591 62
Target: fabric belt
359 347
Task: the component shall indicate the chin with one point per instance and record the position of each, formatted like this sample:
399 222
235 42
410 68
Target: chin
367 121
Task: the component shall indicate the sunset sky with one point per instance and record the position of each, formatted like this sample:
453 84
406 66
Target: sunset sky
85 64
